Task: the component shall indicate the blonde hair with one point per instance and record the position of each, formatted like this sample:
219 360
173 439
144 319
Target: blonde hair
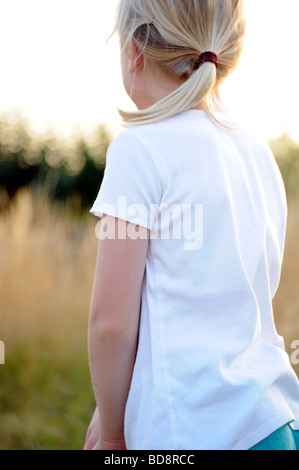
172 34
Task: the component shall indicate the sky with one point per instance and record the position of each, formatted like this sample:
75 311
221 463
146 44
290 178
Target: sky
58 73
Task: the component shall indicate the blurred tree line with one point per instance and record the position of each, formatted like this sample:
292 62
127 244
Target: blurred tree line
72 173
68 173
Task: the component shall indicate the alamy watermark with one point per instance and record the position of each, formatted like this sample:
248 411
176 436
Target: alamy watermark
175 222
2 353
295 354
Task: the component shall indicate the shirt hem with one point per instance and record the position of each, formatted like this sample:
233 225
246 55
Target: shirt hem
263 432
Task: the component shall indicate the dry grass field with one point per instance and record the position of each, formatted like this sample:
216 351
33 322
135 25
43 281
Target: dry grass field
47 262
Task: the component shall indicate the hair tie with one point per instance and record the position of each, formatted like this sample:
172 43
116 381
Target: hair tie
152 22
208 56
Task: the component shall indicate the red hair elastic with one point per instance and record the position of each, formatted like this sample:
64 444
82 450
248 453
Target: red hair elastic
208 56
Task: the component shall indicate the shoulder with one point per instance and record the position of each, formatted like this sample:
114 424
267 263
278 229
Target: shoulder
266 165
257 142
142 146
142 135
263 155
127 145
135 139
131 151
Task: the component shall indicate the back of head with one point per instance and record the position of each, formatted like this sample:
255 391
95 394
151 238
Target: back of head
172 34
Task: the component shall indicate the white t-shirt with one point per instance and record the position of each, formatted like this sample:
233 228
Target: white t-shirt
211 371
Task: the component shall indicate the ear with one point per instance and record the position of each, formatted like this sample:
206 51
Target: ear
136 60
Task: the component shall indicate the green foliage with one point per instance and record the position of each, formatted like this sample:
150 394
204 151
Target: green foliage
286 153
46 400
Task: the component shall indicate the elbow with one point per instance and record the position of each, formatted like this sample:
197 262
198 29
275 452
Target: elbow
107 326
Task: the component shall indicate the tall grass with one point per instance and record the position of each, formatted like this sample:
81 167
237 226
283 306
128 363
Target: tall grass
286 302
47 262
47 266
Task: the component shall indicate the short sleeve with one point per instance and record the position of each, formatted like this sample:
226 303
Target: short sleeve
131 188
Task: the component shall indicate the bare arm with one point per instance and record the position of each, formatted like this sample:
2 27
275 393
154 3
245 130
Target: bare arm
114 326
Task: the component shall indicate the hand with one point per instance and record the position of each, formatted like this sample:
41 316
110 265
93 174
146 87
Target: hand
115 444
93 441
92 436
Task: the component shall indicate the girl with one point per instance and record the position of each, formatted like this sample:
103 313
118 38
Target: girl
184 353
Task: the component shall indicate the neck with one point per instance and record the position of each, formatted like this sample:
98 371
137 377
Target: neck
152 87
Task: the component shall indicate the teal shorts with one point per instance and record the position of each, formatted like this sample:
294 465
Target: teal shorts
282 439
